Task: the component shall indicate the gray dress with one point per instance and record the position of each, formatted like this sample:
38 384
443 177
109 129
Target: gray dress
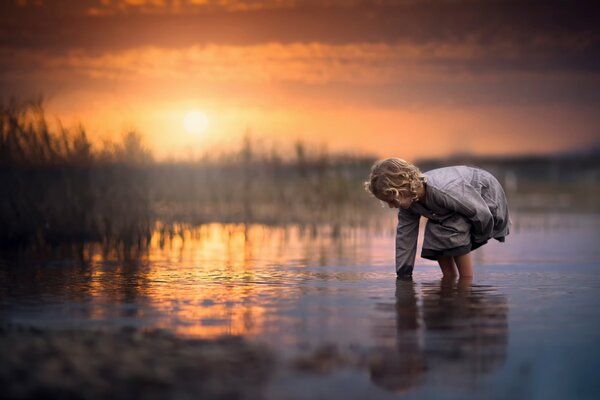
465 207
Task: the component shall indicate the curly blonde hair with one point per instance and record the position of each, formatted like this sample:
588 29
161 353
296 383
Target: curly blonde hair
394 177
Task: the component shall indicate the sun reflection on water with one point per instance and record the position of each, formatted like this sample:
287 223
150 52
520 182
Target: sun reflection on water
322 298
288 284
221 279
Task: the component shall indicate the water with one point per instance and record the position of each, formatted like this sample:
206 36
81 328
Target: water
330 308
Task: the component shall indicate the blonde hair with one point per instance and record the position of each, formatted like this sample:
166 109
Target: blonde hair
395 177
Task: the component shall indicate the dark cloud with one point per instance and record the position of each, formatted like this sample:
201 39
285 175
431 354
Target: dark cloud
65 24
524 44
542 36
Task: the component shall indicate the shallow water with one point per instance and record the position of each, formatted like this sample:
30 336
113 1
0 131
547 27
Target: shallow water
330 307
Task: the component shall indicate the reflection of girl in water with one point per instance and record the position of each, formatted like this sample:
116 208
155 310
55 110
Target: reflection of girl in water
466 328
457 332
399 363
465 207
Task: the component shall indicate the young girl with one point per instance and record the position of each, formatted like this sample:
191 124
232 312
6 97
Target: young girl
465 207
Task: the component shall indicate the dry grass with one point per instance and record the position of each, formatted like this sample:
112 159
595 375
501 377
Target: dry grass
60 188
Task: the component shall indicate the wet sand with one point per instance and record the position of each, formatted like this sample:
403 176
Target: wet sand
128 364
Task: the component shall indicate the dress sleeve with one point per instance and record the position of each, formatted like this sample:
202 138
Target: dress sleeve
406 241
466 200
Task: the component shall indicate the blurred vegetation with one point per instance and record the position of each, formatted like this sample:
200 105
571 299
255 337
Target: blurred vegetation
59 187
252 184
564 182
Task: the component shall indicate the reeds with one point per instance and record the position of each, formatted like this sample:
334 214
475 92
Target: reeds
254 185
58 187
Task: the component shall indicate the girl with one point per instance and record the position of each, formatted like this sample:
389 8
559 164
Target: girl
465 207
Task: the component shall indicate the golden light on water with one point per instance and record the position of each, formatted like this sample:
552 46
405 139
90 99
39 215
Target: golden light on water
195 122
221 279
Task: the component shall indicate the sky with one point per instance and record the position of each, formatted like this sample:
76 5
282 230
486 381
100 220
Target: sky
404 78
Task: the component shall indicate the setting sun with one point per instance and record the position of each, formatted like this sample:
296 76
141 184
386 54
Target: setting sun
195 122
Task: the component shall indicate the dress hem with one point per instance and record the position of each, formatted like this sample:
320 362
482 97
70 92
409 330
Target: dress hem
431 254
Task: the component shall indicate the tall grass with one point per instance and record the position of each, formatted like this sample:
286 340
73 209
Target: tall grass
59 187
251 184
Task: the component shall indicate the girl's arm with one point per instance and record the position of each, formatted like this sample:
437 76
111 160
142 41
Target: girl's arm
466 200
406 241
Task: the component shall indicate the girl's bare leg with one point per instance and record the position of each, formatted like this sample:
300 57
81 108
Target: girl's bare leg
464 284
464 264
447 266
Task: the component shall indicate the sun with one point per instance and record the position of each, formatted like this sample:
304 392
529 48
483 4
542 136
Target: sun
195 122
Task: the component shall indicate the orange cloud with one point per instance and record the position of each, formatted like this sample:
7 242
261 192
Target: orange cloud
108 7
309 63
307 68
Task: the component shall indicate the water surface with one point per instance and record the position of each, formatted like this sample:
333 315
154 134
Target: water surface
329 306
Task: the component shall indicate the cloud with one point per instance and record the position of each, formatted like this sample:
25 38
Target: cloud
388 50
111 7
308 63
109 25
